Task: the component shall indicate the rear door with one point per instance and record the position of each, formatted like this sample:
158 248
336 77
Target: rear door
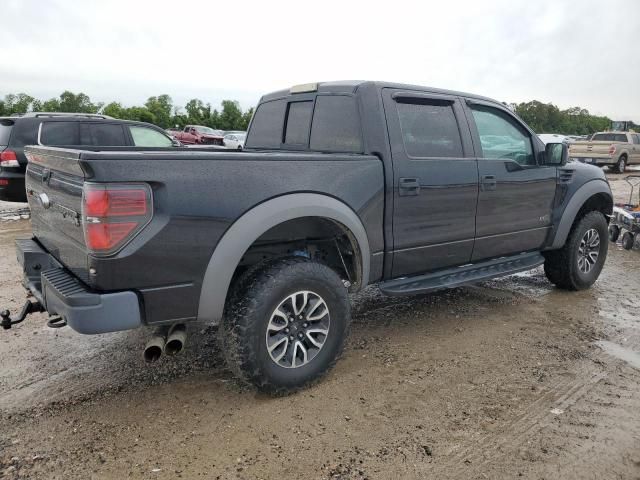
516 194
435 181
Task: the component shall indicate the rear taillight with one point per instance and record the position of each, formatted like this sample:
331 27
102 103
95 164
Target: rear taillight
612 149
8 158
112 214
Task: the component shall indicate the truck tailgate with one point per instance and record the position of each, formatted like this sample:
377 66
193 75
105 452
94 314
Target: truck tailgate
587 149
54 183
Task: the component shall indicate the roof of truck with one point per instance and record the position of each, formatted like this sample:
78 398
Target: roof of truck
350 86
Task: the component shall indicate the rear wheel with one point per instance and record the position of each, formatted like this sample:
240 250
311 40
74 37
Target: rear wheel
621 165
578 263
287 324
627 241
614 233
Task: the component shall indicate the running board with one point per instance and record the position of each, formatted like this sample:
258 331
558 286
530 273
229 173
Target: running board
459 276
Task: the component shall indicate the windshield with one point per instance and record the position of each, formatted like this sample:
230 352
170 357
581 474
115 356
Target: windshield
5 131
208 130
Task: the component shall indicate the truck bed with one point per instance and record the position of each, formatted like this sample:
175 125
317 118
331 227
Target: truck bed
197 196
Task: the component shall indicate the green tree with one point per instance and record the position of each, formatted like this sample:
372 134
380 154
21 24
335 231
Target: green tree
17 103
113 109
231 116
246 118
161 108
77 103
140 114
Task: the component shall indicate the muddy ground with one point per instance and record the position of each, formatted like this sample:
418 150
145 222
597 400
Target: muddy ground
510 378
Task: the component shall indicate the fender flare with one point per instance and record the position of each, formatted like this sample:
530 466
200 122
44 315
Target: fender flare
578 199
255 222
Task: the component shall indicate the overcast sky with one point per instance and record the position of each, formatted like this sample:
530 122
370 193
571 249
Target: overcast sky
572 53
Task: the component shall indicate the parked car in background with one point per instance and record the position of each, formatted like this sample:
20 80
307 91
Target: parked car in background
67 130
200 135
613 149
554 138
235 140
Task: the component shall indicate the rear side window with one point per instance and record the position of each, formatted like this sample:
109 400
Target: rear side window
620 137
106 135
266 126
298 123
25 132
147 137
336 125
636 139
430 130
5 131
60 133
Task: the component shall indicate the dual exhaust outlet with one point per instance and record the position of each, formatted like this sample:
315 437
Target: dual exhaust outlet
165 340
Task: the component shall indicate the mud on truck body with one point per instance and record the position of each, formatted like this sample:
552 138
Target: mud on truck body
340 185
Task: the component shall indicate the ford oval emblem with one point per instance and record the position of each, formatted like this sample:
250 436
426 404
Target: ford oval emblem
44 200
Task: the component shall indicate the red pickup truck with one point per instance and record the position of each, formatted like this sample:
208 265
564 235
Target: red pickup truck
199 135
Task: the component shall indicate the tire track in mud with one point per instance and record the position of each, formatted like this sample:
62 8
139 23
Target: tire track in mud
509 437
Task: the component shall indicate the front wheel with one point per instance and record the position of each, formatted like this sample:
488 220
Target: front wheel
286 325
577 265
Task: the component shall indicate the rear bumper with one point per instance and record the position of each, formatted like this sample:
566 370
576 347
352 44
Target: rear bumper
63 294
12 186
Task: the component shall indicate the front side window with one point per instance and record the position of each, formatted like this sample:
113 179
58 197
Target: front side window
429 129
501 137
636 139
60 133
298 123
147 137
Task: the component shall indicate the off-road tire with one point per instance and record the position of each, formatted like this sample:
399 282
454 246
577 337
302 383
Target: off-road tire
627 241
255 297
614 233
621 166
561 266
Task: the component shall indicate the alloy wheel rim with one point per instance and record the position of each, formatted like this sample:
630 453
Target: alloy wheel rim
589 250
298 329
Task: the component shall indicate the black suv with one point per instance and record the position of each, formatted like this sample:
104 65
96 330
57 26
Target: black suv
64 129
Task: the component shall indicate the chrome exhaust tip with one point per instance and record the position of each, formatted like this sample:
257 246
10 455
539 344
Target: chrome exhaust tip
154 348
176 339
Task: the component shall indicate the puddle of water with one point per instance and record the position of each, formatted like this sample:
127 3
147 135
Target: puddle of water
615 350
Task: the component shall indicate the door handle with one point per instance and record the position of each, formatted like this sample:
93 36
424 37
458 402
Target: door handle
489 182
409 187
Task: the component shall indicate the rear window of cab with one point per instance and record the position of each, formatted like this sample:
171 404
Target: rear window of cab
326 123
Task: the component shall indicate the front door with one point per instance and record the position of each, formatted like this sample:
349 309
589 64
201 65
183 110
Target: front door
435 181
516 195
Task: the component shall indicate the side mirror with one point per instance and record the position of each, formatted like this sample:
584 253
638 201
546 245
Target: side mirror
176 143
556 154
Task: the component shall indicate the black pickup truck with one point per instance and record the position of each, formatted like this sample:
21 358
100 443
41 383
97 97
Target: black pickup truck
341 185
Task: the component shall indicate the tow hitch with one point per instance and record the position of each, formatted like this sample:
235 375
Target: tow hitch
29 307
